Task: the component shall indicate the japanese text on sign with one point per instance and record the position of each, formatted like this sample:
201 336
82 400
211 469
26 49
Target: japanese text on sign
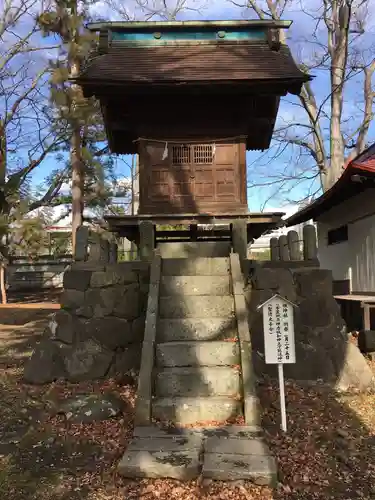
278 322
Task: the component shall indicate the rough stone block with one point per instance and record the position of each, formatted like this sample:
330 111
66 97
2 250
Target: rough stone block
103 279
227 431
214 353
110 332
355 372
122 273
274 279
138 328
101 301
183 465
198 381
77 280
185 410
127 360
259 469
87 360
197 329
317 311
313 282
64 327
45 365
128 302
195 285
205 306
72 299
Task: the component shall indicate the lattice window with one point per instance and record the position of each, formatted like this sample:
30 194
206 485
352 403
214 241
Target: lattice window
203 153
181 155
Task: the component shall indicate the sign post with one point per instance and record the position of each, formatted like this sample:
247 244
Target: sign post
279 343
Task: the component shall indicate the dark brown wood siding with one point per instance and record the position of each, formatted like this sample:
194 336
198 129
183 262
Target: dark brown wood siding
192 177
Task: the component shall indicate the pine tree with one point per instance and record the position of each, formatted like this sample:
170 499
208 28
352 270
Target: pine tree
87 164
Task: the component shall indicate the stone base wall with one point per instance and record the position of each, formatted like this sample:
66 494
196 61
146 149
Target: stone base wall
323 352
99 330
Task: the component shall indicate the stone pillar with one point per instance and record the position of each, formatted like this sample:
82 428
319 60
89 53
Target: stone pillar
274 248
113 253
239 238
82 241
146 240
310 249
293 245
284 249
99 249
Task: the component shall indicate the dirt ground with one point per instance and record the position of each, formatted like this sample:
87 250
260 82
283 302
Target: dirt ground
329 451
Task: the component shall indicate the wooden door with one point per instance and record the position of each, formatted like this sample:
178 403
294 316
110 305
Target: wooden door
191 178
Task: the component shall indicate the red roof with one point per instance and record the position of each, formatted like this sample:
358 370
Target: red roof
346 187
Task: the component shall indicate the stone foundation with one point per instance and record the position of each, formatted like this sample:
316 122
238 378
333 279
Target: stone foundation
323 351
99 330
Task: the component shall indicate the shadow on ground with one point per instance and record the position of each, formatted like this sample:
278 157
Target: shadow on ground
329 451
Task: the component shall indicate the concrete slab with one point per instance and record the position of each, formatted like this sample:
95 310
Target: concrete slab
195 285
190 306
214 353
183 465
236 446
257 468
185 410
201 266
232 431
168 443
198 381
196 329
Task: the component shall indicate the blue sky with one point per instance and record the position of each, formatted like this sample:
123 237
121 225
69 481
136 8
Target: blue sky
265 167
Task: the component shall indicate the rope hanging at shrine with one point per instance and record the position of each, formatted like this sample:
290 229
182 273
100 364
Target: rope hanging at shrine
161 141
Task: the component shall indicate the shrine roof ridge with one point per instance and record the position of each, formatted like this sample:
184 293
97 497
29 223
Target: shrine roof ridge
131 25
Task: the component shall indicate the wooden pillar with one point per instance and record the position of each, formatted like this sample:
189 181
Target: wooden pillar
310 249
293 245
274 248
283 248
146 240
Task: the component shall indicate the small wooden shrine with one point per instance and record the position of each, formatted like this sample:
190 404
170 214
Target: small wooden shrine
190 98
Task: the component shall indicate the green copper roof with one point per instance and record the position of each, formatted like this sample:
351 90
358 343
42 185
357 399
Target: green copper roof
132 25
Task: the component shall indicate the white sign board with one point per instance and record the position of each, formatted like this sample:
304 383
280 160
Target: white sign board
278 325
279 344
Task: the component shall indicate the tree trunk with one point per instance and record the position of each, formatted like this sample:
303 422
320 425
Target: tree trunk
78 175
2 284
3 154
78 172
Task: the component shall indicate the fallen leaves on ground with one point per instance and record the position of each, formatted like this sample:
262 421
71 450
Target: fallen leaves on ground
328 452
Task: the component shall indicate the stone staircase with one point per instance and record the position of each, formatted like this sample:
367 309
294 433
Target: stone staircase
200 381
197 375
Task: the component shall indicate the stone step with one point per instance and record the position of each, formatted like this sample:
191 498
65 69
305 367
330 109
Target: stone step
198 382
187 411
176 458
195 285
201 266
196 329
189 249
259 468
214 353
227 431
203 306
